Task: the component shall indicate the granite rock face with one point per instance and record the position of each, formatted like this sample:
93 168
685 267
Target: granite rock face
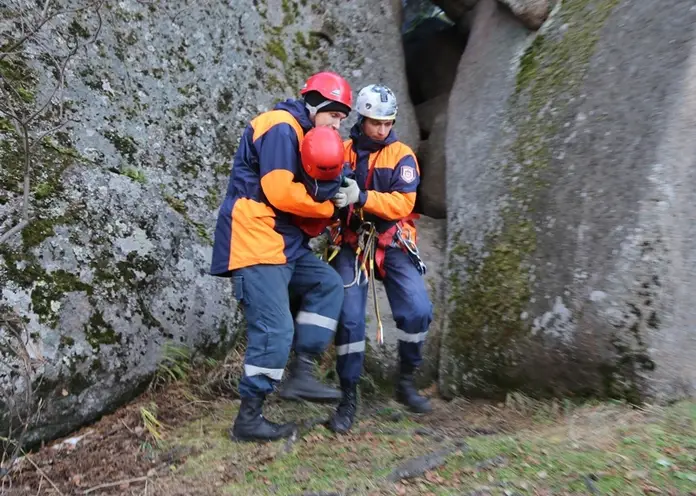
570 260
125 196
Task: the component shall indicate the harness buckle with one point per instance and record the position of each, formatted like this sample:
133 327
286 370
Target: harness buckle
411 250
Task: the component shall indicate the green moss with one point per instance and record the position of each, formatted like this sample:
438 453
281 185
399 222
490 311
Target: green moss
190 168
53 159
489 294
183 110
135 174
188 90
224 102
273 84
26 95
99 332
76 29
177 204
300 39
123 274
14 69
19 271
275 48
212 199
125 145
487 298
529 63
96 366
222 169
17 81
65 149
290 12
6 126
43 190
49 290
298 71
131 275
91 80
37 231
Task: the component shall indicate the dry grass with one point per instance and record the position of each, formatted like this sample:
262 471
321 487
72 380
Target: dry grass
520 446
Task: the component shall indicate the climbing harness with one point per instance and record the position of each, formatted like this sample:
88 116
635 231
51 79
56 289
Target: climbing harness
364 254
369 247
365 267
411 249
334 244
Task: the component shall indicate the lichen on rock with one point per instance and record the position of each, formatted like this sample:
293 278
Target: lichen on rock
124 197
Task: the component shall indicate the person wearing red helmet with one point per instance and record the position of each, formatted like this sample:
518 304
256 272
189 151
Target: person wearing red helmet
323 169
259 246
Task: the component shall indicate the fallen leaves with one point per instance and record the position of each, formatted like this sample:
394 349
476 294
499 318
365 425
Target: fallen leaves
434 477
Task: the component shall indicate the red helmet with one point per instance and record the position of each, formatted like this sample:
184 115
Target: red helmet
331 86
322 153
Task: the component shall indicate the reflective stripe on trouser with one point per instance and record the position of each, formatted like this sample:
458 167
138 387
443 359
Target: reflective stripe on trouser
263 290
320 293
410 306
350 335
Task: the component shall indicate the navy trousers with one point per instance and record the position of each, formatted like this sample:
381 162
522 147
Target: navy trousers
263 291
410 306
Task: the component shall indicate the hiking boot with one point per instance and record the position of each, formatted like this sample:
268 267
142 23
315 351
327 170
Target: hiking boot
302 385
250 424
342 420
407 394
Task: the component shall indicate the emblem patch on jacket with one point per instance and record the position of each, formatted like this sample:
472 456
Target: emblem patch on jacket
408 173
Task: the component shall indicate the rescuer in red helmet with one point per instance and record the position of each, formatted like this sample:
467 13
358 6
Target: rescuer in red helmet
261 248
323 169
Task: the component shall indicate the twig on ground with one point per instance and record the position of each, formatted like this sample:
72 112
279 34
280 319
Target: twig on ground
43 474
117 483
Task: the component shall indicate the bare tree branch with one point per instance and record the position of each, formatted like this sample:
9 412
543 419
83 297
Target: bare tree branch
45 18
20 112
13 348
17 228
32 121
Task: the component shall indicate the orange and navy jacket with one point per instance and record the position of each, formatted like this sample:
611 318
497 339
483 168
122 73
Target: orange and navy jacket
320 191
254 225
388 175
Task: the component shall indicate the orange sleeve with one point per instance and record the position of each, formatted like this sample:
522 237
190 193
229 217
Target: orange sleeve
289 196
390 206
279 161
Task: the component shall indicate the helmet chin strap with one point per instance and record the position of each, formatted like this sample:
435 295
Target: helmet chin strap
313 110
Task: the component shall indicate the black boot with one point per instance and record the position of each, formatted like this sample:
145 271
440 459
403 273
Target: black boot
342 420
407 394
250 425
302 385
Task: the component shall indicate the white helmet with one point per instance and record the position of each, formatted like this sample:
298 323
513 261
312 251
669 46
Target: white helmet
378 102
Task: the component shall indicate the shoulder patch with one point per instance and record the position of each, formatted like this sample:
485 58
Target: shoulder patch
408 174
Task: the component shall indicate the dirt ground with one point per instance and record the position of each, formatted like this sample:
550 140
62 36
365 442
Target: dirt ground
521 447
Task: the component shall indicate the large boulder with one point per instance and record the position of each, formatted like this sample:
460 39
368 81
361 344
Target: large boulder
571 207
532 13
432 194
124 198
